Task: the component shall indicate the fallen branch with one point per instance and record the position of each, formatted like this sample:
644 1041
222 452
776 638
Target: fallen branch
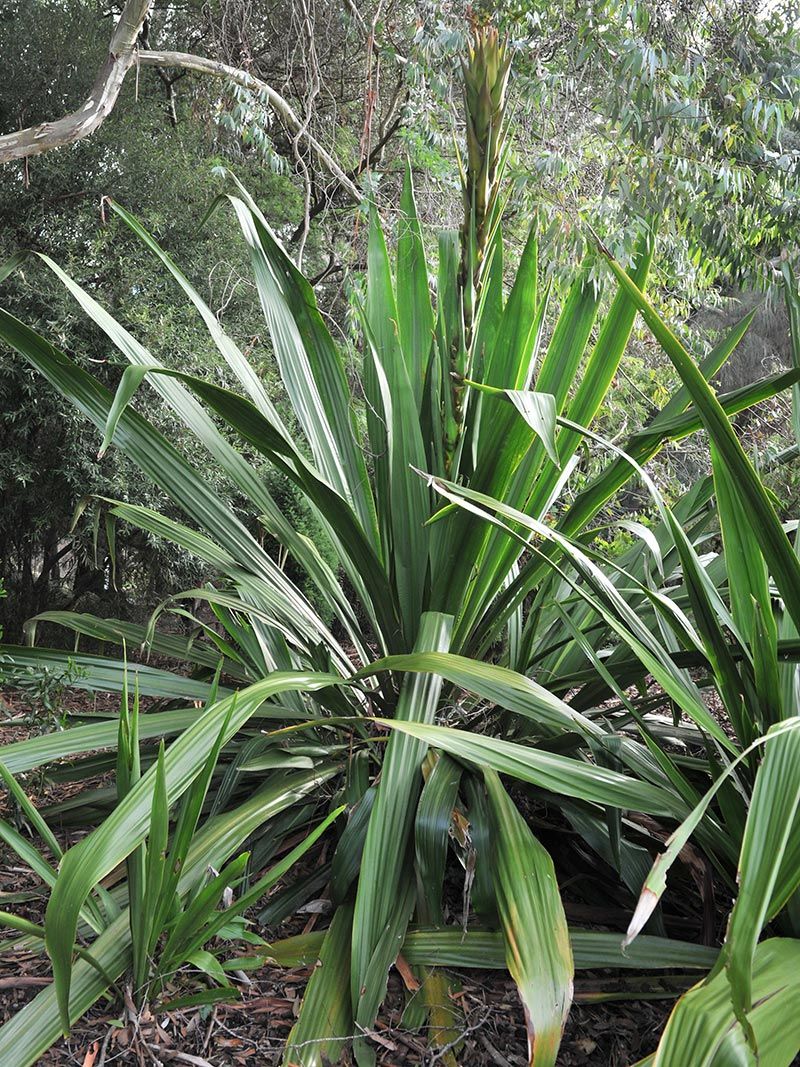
23 981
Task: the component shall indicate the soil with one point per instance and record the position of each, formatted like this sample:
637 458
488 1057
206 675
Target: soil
253 1030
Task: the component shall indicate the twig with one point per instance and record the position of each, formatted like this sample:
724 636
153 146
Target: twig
21 983
494 1055
184 1057
104 1046
440 1053
323 202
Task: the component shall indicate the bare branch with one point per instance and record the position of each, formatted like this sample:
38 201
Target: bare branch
322 203
98 105
213 67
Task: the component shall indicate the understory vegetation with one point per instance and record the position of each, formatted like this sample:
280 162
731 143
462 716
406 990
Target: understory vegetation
430 648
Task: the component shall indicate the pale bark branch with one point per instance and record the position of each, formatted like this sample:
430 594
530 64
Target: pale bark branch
97 106
201 65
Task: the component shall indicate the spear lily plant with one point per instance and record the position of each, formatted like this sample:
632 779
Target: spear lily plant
475 681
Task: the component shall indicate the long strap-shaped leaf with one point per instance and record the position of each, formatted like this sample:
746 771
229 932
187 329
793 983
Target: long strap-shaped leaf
507 366
751 607
710 612
518 694
432 826
231 353
395 438
385 871
599 372
451 946
414 312
99 674
512 456
553 773
163 464
606 600
792 297
641 446
783 563
325 1021
538 951
703 1031
771 822
121 632
310 365
591 949
28 1035
671 423
533 482
335 510
406 508
234 465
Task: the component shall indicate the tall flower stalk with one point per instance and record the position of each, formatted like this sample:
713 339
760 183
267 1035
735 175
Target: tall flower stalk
485 72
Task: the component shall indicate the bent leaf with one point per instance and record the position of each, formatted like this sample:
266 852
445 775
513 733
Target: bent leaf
538 952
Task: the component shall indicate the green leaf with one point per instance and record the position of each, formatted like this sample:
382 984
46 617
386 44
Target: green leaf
155 874
592 950
508 365
199 422
539 411
310 365
538 951
414 312
771 824
96 855
122 632
703 1030
604 598
26 1037
385 871
100 674
325 1021
236 360
792 298
390 398
554 773
656 881
777 550
271 441
30 812
168 469
640 447
432 834
209 965
747 573
347 857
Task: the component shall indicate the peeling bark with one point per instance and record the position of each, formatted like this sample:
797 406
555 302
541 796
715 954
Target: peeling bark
97 106
122 55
